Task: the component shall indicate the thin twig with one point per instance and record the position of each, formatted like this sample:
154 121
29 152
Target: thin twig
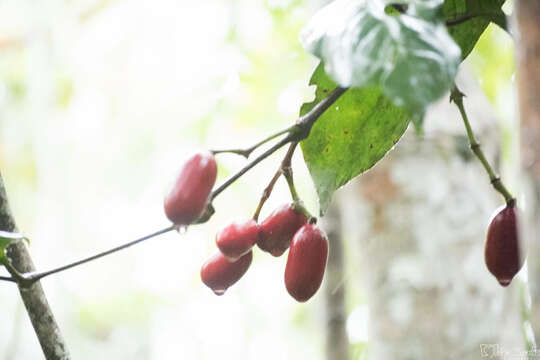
246 152
457 97
35 276
307 121
286 162
7 278
286 169
248 166
266 194
298 132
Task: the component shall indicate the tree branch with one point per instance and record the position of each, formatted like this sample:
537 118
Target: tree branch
36 276
299 132
246 152
37 307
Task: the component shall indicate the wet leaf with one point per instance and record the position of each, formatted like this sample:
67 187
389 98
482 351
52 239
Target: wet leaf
351 136
411 58
479 14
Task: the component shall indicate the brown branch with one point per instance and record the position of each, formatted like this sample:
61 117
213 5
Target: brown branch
299 132
37 307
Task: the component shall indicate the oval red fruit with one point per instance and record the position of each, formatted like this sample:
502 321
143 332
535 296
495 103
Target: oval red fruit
237 238
306 262
277 230
219 274
502 249
189 195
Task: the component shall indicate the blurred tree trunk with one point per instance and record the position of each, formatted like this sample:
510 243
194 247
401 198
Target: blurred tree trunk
421 216
337 344
527 18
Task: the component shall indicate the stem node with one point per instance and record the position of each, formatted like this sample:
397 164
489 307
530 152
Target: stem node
495 180
456 96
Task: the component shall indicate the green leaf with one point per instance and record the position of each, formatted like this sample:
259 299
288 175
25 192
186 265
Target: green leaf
7 238
411 58
349 137
426 9
479 14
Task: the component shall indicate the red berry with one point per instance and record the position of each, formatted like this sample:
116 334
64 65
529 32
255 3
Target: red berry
277 230
306 262
502 249
219 274
237 238
189 195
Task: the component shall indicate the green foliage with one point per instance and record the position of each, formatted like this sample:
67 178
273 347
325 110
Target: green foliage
411 56
479 14
351 136
397 60
7 238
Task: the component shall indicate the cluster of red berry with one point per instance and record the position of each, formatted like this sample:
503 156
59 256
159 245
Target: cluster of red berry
289 227
286 227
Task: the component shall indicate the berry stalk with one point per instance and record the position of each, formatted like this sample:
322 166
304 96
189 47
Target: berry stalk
266 194
285 163
288 174
247 151
457 97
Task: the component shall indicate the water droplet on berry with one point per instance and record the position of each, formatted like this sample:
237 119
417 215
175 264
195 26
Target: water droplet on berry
182 229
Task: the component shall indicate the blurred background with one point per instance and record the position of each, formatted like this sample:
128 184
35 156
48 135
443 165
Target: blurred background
102 100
